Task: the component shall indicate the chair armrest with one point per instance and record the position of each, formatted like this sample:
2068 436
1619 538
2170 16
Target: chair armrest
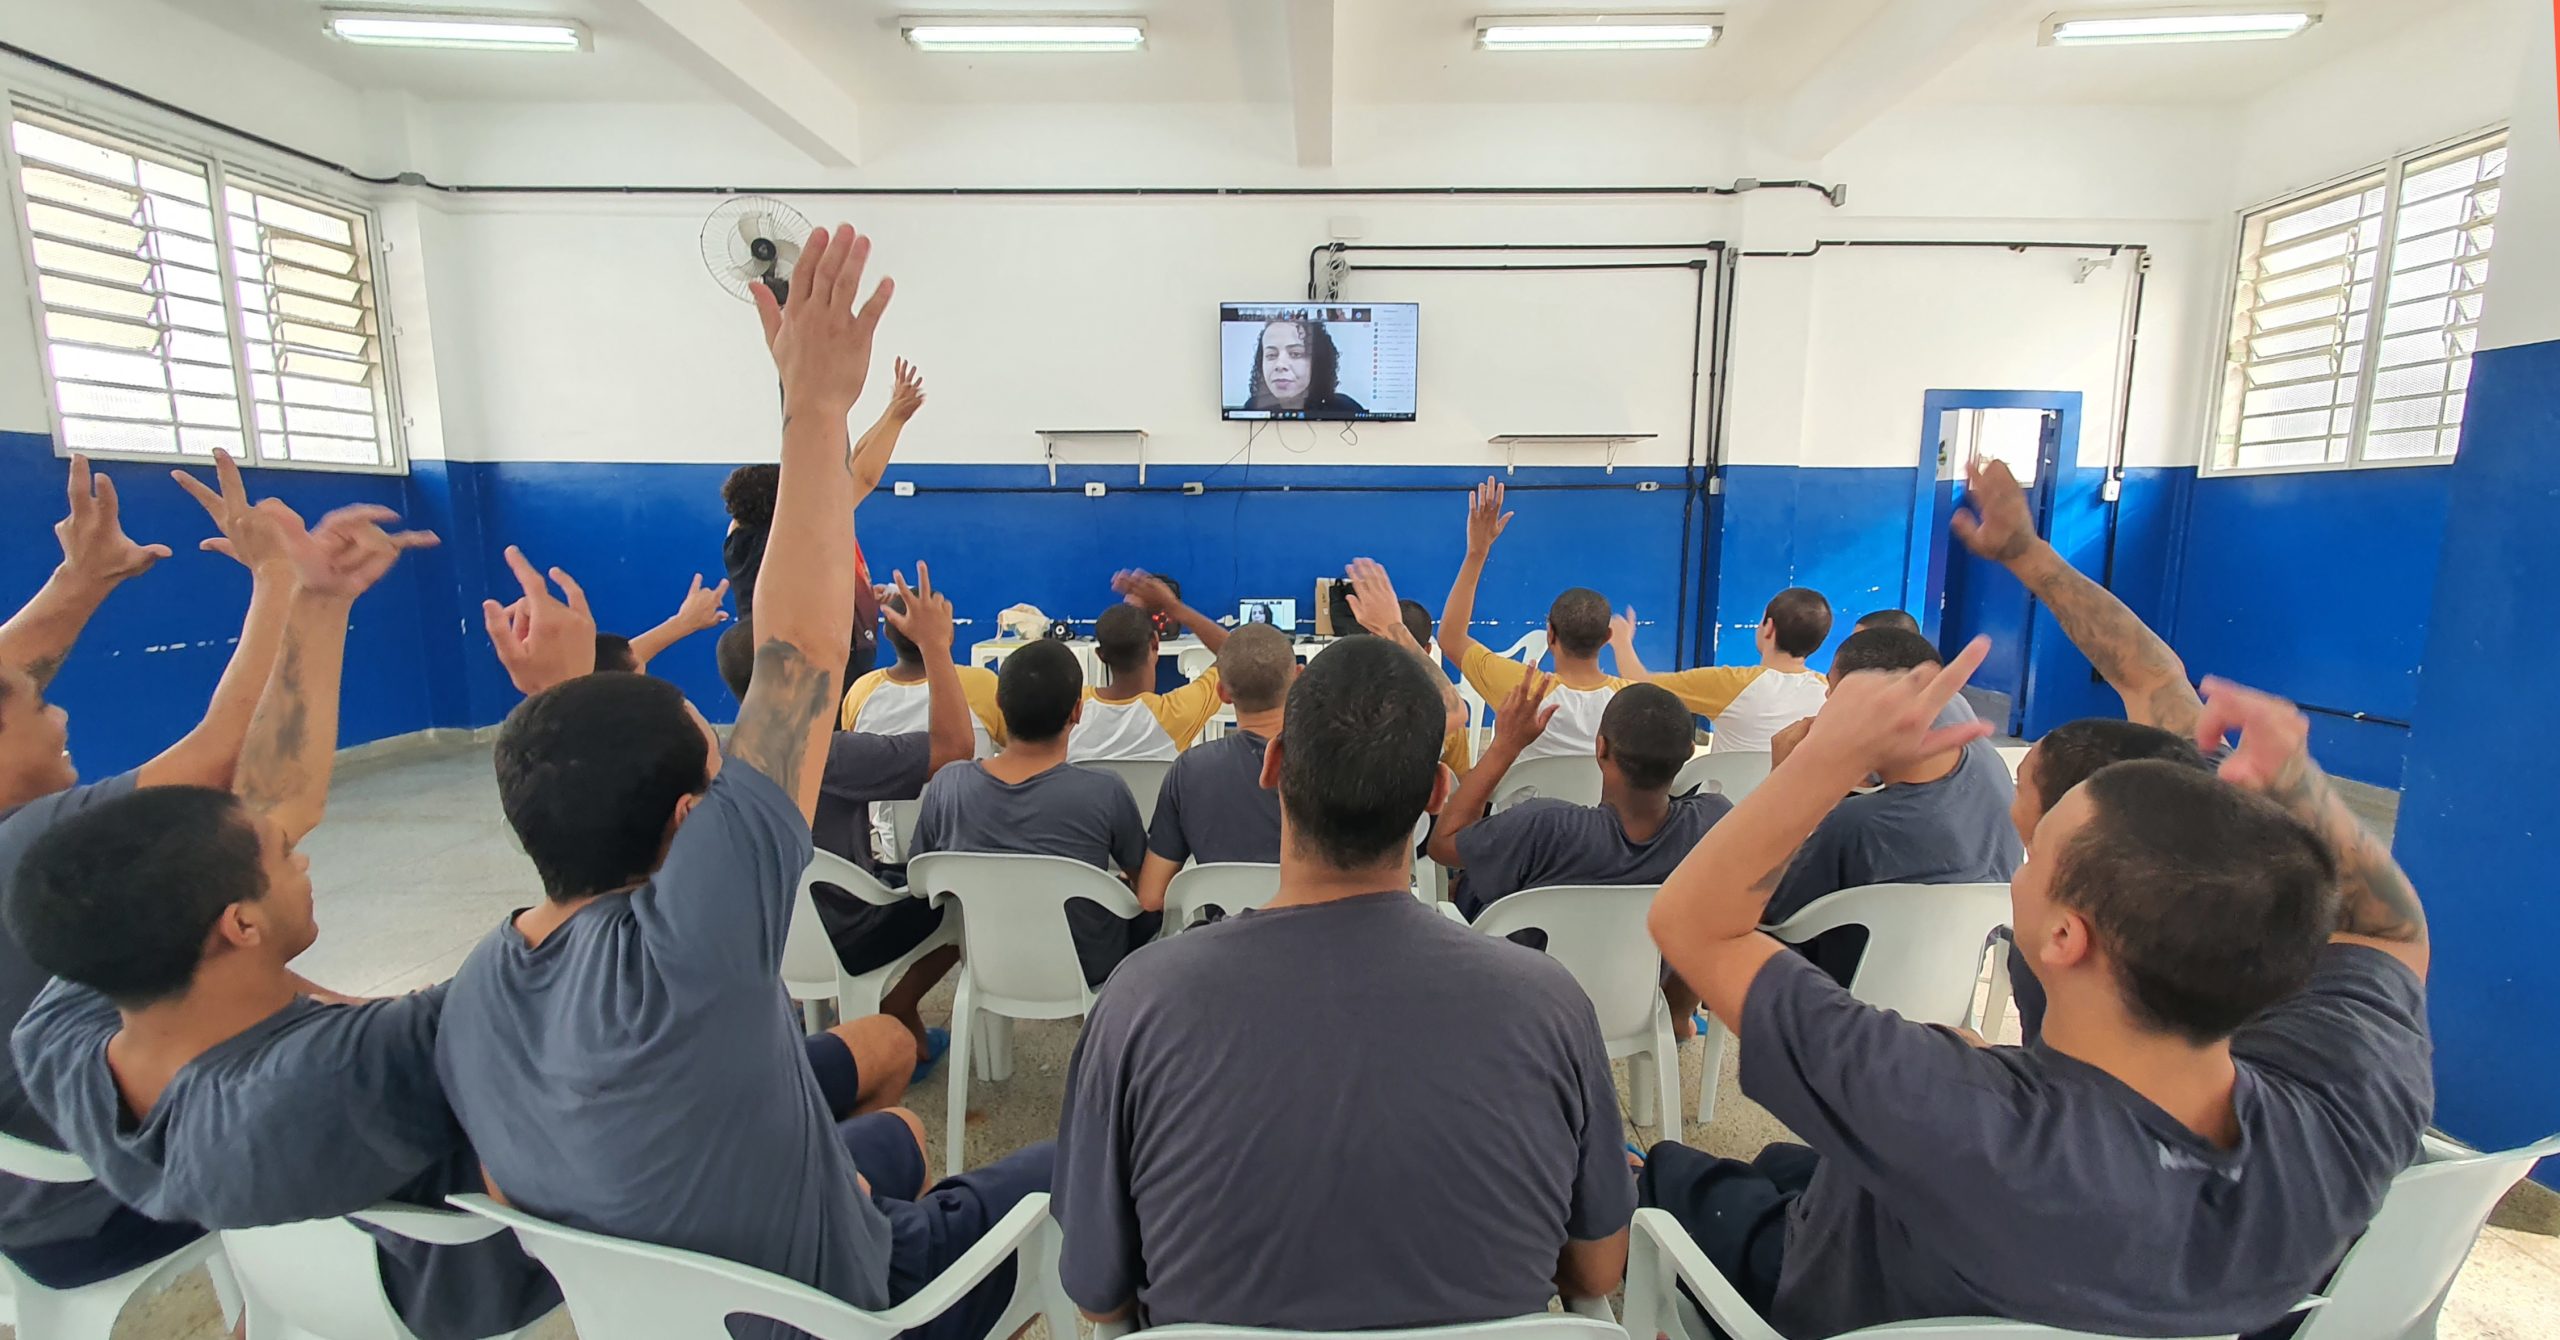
27 1159
1595 1308
1025 1223
436 1228
825 867
1664 1257
1450 910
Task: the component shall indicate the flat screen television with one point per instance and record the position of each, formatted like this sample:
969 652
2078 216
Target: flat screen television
1304 360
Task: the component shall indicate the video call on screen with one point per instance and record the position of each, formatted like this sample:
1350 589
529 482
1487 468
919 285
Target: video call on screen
1366 373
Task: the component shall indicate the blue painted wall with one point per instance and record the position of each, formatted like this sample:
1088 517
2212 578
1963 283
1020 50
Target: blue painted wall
2318 586
1842 532
141 674
2475 828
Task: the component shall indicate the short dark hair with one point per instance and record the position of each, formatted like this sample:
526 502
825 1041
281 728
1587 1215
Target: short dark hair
749 492
1651 735
2212 901
1255 665
1417 621
1579 621
735 654
613 653
2071 753
1799 620
1883 649
898 642
122 896
1121 638
1037 689
1901 619
590 771
1361 752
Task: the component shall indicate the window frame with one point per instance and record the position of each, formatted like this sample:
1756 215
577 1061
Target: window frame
2394 172
223 168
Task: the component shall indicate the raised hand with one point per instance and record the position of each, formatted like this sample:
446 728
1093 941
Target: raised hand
340 558
1787 738
927 620
909 395
1622 628
701 608
248 535
1523 715
92 536
1145 590
1485 518
542 640
2274 753
821 344
1999 527
1373 600
1877 721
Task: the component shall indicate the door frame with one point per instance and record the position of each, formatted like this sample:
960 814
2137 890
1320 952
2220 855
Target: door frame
1921 536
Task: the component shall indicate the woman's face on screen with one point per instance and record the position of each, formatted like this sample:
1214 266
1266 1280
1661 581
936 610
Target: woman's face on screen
1285 363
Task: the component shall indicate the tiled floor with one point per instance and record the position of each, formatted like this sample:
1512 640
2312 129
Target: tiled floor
414 865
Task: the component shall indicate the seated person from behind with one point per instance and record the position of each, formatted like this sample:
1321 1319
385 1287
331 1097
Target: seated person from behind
1127 718
1214 807
2231 1073
177 1053
1942 819
896 699
1478 1173
1901 619
1028 800
1637 834
1577 628
1749 704
621 1053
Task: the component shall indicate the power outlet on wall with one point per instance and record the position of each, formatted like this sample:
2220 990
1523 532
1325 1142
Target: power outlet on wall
1095 489
904 488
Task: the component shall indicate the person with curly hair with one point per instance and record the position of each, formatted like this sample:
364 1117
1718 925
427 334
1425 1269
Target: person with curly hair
1295 369
748 495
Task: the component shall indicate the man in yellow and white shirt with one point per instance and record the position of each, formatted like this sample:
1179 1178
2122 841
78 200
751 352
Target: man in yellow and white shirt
894 700
1126 718
1577 628
1750 704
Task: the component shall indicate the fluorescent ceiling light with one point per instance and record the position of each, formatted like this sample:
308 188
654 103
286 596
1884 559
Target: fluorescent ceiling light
1597 32
1023 32
2178 25
469 32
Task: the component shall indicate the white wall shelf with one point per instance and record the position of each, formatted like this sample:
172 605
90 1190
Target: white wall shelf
1053 438
1607 442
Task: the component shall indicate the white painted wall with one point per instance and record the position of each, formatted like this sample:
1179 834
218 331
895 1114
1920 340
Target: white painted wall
2524 298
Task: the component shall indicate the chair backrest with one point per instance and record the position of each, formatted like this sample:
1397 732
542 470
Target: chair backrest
34 1162
1924 943
1020 952
1230 886
638 1291
1597 932
1731 775
1542 1326
893 829
1530 649
320 1277
809 962
2394 1274
1571 777
1143 776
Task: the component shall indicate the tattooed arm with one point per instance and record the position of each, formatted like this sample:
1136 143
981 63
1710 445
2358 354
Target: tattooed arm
804 601
1707 917
209 755
2377 905
2136 663
97 557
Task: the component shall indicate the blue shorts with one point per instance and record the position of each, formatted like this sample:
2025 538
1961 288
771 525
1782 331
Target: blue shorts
128 1240
931 1227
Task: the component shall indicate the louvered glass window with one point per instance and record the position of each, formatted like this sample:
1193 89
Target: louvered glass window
2355 314
174 293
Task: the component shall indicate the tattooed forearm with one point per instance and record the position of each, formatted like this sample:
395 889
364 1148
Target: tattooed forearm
2135 662
2376 899
270 772
790 700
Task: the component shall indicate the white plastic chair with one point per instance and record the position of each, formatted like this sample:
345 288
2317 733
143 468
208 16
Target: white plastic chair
893 829
1661 1256
636 1291
1530 649
811 971
1568 777
1194 660
1479 714
1542 1326
1924 953
320 1279
1143 776
1732 775
90 1311
1233 886
1020 960
2013 755
2394 1279
1598 933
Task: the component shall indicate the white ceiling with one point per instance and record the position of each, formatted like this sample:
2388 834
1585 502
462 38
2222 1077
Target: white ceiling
2012 68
